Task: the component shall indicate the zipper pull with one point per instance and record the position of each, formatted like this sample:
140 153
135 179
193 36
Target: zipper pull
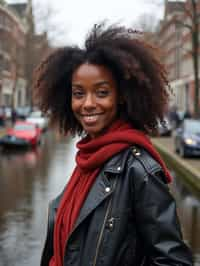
110 223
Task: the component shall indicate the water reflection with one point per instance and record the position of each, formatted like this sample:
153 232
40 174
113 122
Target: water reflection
189 212
30 179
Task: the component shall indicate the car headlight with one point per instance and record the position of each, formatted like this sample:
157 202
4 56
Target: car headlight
190 141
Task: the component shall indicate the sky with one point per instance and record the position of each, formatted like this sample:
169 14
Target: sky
70 20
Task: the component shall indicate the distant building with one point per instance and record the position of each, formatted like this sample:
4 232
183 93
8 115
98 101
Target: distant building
175 41
20 51
12 36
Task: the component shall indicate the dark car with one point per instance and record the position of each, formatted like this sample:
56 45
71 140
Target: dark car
187 138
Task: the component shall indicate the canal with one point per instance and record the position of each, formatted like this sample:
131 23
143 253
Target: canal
30 179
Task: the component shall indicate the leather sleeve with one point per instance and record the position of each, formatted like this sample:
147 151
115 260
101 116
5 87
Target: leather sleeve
47 252
156 218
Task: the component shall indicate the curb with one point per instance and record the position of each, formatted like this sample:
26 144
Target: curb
186 171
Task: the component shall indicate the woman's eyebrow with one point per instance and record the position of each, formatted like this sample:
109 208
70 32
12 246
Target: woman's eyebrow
103 82
77 85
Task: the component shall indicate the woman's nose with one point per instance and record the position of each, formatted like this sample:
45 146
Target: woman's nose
89 101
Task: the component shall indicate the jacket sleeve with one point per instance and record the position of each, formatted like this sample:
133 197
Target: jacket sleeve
47 252
156 218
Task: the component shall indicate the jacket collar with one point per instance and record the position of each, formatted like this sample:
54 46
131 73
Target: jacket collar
117 163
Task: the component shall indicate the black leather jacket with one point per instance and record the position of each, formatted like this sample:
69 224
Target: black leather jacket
128 219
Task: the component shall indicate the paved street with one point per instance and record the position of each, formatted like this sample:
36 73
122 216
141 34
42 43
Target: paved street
167 143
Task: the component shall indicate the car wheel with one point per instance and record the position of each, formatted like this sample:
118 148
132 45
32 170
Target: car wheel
182 151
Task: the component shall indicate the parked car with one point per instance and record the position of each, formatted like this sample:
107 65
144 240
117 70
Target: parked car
22 134
38 119
8 112
165 128
187 138
23 112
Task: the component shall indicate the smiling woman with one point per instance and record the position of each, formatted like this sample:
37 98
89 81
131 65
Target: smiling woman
94 98
116 209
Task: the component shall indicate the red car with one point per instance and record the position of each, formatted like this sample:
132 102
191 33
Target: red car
22 134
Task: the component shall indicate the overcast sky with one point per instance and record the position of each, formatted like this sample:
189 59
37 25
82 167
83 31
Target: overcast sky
73 18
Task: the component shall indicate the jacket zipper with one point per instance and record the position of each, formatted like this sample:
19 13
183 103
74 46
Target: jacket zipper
103 226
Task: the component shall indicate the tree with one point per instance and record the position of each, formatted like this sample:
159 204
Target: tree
36 46
40 33
190 21
2 2
146 23
191 10
47 21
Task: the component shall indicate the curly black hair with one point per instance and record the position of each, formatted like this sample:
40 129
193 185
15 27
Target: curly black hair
141 78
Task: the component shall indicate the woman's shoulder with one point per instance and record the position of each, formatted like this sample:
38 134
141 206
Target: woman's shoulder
137 160
144 164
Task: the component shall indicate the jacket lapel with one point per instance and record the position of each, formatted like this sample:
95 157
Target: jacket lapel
101 189
103 186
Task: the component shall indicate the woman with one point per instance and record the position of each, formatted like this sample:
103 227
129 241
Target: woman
116 209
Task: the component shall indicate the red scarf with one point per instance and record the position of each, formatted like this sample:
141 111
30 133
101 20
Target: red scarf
92 154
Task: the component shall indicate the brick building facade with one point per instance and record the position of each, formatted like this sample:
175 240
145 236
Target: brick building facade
12 45
20 51
175 41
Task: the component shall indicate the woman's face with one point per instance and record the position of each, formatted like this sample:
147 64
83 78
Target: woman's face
94 98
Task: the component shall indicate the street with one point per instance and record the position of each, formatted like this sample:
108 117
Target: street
167 143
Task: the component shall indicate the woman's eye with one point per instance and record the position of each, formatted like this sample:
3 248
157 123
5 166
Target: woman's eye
102 93
77 94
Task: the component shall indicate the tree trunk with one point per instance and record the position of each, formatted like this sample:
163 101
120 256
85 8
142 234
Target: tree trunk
195 55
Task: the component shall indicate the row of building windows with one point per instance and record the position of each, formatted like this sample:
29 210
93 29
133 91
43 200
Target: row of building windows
12 43
4 64
5 21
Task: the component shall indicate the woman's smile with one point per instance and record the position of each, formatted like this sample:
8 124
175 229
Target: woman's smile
91 119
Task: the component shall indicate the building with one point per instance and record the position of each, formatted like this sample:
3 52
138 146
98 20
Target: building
20 51
12 36
175 40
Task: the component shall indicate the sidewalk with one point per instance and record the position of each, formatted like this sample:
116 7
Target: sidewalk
188 168
2 131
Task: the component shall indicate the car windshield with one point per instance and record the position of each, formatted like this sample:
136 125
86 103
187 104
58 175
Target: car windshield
36 114
192 126
22 127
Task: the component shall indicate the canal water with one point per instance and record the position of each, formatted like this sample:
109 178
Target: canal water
30 179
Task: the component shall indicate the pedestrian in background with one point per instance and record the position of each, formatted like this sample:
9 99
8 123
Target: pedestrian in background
13 116
174 117
2 116
116 209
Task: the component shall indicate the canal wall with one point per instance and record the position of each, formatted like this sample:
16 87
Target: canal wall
2 132
189 174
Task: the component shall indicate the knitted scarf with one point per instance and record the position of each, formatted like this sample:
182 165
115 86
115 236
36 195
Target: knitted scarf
91 155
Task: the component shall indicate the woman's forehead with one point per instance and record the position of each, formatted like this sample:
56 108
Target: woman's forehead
88 70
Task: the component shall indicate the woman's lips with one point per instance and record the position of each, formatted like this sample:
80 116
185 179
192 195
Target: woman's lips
90 119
